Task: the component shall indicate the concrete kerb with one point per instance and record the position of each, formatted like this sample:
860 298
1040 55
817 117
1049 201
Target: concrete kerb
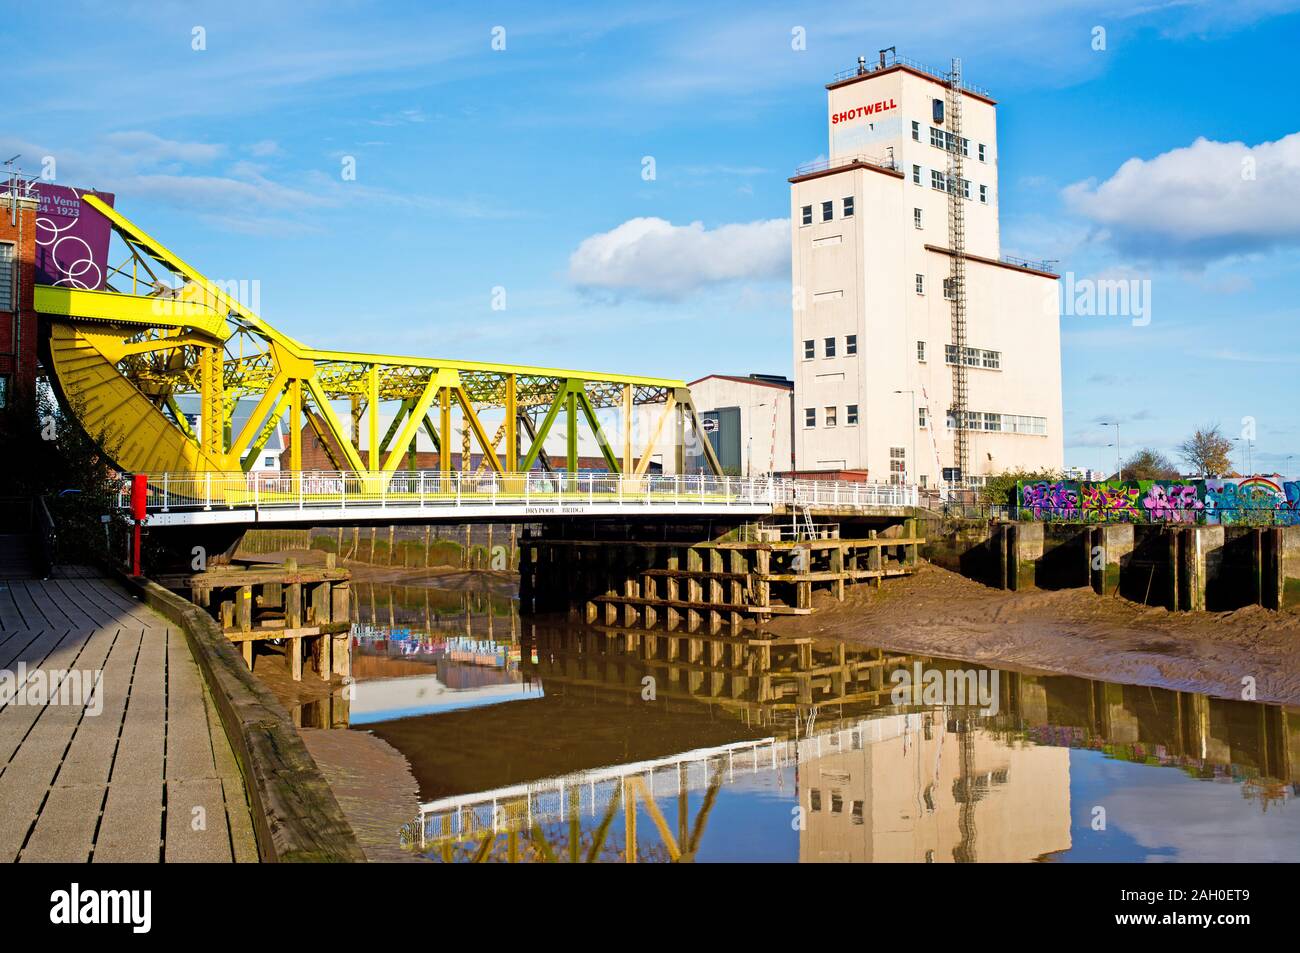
295 815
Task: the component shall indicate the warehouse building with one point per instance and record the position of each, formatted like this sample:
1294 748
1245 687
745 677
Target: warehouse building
921 353
750 421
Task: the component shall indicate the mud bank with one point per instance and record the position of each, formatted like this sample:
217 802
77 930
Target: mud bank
373 784
1071 631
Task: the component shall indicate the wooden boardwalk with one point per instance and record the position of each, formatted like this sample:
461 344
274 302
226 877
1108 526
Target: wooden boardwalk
143 773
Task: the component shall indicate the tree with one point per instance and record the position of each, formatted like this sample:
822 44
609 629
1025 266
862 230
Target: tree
52 456
1148 464
1206 451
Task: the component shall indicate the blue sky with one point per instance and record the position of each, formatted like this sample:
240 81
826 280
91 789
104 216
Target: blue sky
480 169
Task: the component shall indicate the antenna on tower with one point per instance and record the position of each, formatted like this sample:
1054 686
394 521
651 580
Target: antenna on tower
862 65
889 49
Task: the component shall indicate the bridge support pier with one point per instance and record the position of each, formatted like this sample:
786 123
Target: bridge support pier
711 586
287 603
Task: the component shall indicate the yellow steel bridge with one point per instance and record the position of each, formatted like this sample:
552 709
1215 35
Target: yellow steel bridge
162 330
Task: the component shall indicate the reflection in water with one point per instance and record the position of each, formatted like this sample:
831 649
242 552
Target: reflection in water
541 743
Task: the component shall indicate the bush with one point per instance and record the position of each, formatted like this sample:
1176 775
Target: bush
1000 490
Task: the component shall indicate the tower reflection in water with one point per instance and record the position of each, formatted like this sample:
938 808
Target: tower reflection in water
563 743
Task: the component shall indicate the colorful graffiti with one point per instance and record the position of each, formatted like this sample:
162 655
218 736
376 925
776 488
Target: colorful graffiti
1111 502
1050 501
1249 501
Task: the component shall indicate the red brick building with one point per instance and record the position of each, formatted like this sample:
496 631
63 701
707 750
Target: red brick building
17 313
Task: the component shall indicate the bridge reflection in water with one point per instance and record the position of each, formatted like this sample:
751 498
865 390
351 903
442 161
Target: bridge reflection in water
539 744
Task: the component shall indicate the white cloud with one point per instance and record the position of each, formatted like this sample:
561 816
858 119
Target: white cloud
402 117
146 147
1202 202
218 192
656 259
238 196
266 147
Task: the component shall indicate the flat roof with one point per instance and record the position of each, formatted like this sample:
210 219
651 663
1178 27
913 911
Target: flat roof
873 73
1026 269
846 167
757 382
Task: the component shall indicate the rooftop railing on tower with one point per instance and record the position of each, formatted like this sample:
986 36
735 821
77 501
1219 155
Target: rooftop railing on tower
821 165
889 60
1048 265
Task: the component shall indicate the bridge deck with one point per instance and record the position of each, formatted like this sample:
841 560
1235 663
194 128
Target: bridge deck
319 498
127 776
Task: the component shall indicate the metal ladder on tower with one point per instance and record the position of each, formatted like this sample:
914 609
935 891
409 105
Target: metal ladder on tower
957 272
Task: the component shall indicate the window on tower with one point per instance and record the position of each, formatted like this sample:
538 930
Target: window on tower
897 464
851 344
809 349
851 415
830 347
916 131
916 217
920 284
916 174
807 214
848 206
831 414
828 211
810 417
984 194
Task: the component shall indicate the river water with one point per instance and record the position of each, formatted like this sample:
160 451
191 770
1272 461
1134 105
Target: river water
540 742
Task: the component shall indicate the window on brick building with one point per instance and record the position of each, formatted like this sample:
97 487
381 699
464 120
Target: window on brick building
6 276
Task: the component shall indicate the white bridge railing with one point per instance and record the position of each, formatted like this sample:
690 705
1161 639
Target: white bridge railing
588 793
169 492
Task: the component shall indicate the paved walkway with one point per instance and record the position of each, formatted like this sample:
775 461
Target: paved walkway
151 776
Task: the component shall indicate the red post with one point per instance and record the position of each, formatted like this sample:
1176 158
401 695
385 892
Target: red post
139 513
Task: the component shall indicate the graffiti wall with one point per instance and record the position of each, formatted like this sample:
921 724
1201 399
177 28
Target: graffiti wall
1248 501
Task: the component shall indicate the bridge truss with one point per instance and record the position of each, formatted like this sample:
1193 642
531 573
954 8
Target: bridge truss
123 359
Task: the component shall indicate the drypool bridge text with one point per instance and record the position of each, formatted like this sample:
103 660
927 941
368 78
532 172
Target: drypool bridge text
188 499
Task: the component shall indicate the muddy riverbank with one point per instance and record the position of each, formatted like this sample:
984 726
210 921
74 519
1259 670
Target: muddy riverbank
373 784
1071 631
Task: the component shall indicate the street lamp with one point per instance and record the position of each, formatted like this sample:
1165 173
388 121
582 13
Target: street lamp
1119 462
1250 466
749 466
912 462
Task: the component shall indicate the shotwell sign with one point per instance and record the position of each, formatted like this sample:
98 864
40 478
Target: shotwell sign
860 112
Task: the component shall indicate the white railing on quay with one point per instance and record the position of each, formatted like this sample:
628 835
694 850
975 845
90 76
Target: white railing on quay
168 492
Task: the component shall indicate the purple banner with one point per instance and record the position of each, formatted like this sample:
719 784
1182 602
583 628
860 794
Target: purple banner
71 238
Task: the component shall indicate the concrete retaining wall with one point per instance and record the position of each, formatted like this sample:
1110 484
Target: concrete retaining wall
968 548
1182 567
